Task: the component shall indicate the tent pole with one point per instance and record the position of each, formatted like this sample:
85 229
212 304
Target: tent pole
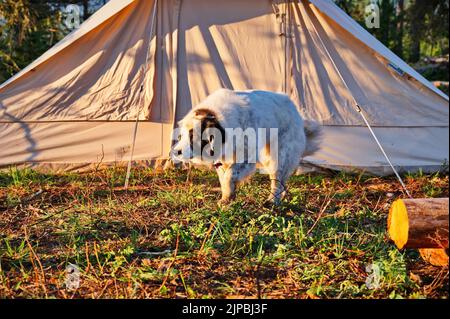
360 111
286 45
287 50
127 178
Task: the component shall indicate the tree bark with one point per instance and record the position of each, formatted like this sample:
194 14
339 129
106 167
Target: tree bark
417 17
85 9
386 14
400 11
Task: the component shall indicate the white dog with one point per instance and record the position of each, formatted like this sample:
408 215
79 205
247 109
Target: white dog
241 131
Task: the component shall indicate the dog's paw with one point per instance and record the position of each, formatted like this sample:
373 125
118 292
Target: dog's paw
223 202
272 202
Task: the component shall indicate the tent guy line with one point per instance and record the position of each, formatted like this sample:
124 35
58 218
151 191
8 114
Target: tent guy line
361 112
142 92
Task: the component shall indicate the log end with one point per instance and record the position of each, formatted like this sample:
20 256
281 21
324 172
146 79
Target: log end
398 223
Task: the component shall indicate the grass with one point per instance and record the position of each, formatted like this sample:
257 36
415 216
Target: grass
166 238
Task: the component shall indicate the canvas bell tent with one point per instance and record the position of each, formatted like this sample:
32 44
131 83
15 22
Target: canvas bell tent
150 61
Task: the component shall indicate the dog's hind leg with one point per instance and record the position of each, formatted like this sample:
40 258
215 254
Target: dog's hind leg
281 168
275 167
277 188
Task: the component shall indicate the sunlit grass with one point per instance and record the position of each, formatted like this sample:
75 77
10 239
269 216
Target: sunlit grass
166 237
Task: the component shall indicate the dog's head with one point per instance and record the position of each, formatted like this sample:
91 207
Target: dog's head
200 138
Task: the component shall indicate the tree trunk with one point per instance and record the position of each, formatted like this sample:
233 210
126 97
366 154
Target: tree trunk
400 10
386 14
85 9
417 17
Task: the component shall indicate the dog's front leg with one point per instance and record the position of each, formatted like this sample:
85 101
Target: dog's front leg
227 184
230 177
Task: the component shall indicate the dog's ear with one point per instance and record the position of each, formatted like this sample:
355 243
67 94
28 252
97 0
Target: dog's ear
209 120
204 114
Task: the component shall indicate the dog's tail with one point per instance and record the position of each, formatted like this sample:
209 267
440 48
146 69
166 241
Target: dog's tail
313 132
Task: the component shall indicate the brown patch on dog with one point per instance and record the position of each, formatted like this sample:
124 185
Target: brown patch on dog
204 114
208 120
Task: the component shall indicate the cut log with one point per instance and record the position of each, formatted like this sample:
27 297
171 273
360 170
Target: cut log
419 223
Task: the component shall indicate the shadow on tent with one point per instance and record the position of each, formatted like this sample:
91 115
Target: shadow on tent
26 131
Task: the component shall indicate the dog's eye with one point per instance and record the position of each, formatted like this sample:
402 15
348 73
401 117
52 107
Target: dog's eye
179 137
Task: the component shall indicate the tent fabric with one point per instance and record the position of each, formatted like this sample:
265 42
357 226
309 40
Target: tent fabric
106 12
78 103
329 8
79 143
352 148
98 77
163 105
323 96
228 48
